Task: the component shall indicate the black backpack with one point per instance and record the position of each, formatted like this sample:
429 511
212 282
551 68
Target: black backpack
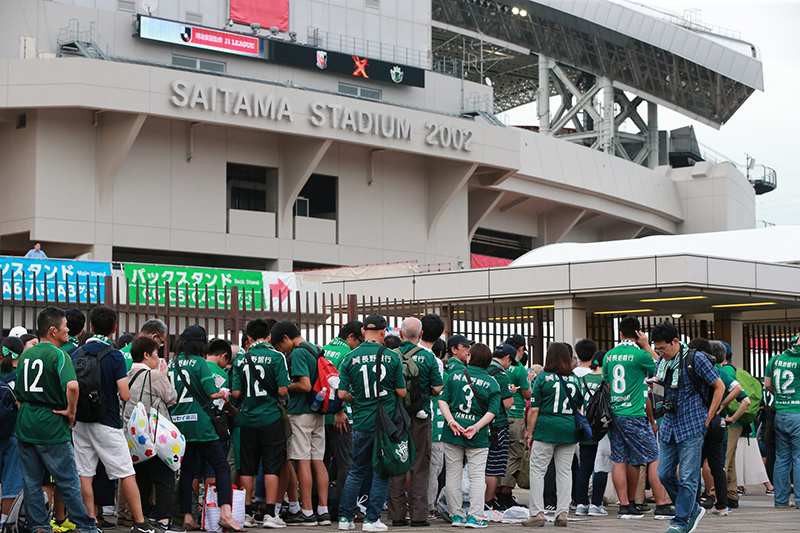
91 404
598 412
414 400
8 407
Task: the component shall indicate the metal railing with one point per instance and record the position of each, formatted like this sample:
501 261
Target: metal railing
366 48
74 39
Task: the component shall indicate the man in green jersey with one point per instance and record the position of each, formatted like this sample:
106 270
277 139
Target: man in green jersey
338 434
76 321
782 378
47 390
518 376
259 378
458 348
430 384
155 329
307 445
359 385
633 440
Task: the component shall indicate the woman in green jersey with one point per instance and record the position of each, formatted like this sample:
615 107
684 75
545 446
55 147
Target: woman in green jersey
198 429
551 432
469 402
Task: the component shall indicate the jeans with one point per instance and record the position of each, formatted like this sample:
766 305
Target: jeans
588 453
787 456
59 460
363 442
10 473
683 491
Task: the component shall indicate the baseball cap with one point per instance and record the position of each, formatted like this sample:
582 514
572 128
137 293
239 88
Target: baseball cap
503 350
516 341
728 350
17 331
375 322
194 333
455 340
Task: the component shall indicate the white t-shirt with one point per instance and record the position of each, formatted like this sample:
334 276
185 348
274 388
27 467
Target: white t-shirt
581 371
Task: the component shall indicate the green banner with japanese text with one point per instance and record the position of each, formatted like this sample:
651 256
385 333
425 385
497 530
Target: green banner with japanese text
192 286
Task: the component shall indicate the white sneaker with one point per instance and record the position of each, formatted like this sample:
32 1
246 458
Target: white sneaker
346 525
722 512
274 522
582 510
249 521
377 525
595 510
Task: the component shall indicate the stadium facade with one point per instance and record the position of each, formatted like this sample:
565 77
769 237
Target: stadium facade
176 135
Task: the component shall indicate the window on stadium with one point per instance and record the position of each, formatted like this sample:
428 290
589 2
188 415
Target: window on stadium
252 188
199 64
355 90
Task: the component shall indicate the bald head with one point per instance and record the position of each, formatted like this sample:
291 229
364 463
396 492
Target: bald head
411 330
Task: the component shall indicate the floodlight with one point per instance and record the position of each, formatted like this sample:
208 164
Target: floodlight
523 13
256 27
515 10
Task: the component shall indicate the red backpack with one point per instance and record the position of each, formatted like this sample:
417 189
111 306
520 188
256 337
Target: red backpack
327 379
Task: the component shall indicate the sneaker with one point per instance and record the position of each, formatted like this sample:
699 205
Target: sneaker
102 523
144 527
643 507
508 500
474 523
582 510
299 519
324 519
495 505
561 520
676 529
695 518
770 491
377 525
535 521
629 512
733 504
399 523
169 527
63 527
597 510
458 521
275 522
344 524
249 521
550 508
706 501
664 512
722 512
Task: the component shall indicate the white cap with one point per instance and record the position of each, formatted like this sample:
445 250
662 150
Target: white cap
17 331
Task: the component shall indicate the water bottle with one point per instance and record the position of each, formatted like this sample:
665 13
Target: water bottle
319 400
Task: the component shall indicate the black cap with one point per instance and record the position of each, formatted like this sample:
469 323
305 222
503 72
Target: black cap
516 341
455 340
505 350
374 322
194 333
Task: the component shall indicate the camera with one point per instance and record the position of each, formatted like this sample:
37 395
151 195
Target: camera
664 407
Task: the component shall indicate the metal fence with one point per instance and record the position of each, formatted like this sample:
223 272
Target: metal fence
762 342
603 328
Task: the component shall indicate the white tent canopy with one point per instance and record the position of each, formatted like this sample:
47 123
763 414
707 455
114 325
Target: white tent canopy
777 244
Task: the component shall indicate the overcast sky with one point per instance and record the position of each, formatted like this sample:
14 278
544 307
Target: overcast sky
766 125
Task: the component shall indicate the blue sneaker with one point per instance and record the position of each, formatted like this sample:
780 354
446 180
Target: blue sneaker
475 523
458 521
695 518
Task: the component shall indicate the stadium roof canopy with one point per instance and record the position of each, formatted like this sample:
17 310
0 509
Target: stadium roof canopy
686 70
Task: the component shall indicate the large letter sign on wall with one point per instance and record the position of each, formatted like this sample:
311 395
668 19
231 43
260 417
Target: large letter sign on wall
53 280
267 13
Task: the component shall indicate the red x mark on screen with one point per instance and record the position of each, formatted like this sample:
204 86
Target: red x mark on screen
361 66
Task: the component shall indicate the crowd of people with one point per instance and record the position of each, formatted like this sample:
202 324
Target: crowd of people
294 425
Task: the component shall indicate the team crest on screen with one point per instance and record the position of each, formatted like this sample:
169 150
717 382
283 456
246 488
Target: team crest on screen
186 33
322 59
397 74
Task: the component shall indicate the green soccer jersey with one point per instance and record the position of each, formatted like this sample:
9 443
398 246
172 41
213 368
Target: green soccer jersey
497 371
258 407
188 413
304 364
784 369
126 353
334 351
43 372
357 376
626 366
429 375
466 408
730 371
556 420
221 378
438 417
518 375
453 364
70 345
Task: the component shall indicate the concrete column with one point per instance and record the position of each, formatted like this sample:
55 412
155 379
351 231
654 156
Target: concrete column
652 135
570 320
607 128
543 98
728 327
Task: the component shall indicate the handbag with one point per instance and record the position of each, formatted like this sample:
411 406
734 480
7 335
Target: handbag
218 418
583 431
494 440
287 424
393 451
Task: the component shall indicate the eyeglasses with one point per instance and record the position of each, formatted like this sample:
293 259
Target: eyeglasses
661 350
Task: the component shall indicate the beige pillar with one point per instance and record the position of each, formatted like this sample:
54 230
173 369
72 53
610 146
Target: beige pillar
728 328
570 320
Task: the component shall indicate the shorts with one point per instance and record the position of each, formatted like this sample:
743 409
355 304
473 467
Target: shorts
308 437
266 444
93 441
632 441
497 461
10 470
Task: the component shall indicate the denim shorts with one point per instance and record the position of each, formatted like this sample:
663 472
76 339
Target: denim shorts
632 441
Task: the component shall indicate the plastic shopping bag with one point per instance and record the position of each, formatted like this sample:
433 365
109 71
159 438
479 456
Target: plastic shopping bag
170 444
139 433
212 511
